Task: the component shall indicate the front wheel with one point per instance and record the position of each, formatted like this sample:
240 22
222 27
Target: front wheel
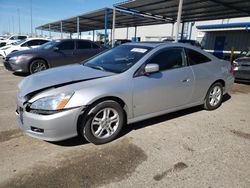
104 123
214 97
37 66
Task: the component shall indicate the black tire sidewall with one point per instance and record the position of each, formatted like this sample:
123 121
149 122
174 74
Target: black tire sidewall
30 65
86 127
208 106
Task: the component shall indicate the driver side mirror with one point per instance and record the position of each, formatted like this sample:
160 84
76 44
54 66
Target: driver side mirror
55 48
151 68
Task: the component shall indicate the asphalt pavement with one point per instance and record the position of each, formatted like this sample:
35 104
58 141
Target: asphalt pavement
189 148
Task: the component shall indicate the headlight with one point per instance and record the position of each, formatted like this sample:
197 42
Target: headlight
13 58
5 48
56 102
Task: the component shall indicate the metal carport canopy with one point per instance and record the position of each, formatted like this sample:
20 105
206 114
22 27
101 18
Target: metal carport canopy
95 20
192 10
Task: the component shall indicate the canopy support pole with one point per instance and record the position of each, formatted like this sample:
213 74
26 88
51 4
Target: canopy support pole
105 27
190 31
113 28
172 31
178 20
78 27
49 32
182 30
135 33
127 33
61 30
93 35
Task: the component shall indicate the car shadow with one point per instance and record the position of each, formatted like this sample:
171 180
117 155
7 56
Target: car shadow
165 117
76 141
20 74
245 82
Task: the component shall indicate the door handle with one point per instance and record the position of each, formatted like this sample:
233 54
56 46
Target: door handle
186 80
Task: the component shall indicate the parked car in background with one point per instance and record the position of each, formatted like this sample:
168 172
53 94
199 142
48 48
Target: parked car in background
126 84
2 38
242 68
12 39
118 42
192 42
52 54
22 45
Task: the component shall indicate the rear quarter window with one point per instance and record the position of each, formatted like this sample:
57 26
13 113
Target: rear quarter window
195 57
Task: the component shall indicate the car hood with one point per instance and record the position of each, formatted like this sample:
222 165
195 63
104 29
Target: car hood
29 51
57 77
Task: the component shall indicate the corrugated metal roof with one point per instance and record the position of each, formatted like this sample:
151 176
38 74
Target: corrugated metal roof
95 21
193 10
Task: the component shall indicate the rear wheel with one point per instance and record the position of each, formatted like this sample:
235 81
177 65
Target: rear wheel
37 66
104 123
214 97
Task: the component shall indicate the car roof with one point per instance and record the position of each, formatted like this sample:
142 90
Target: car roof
37 39
156 44
170 44
145 44
61 40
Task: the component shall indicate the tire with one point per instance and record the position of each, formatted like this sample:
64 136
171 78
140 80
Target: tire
99 128
214 96
37 65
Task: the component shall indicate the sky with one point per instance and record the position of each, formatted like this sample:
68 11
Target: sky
43 11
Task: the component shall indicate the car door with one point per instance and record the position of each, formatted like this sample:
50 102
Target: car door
84 50
171 87
204 73
64 54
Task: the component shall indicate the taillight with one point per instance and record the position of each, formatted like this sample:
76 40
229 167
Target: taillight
231 69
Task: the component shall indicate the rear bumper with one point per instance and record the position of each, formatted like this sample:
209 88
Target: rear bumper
229 83
242 75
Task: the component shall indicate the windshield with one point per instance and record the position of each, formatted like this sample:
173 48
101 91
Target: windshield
118 59
48 45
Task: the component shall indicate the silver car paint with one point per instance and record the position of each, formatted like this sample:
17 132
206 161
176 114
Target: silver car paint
144 96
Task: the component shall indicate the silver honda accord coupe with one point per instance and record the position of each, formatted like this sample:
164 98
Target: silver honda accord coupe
127 84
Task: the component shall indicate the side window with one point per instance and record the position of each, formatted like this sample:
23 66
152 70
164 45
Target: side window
83 45
24 44
42 42
67 45
170 58
21 37
195 57
33 43
12 38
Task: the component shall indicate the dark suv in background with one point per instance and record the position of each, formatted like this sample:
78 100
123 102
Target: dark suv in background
52 54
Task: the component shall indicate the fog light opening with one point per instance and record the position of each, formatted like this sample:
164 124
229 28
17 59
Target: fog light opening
38 130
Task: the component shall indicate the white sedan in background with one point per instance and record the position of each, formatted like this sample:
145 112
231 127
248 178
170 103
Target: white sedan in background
22 45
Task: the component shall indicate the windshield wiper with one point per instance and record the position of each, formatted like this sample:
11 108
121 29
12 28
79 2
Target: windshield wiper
98 67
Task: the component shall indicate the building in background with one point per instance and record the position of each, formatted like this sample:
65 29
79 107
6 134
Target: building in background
220 39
